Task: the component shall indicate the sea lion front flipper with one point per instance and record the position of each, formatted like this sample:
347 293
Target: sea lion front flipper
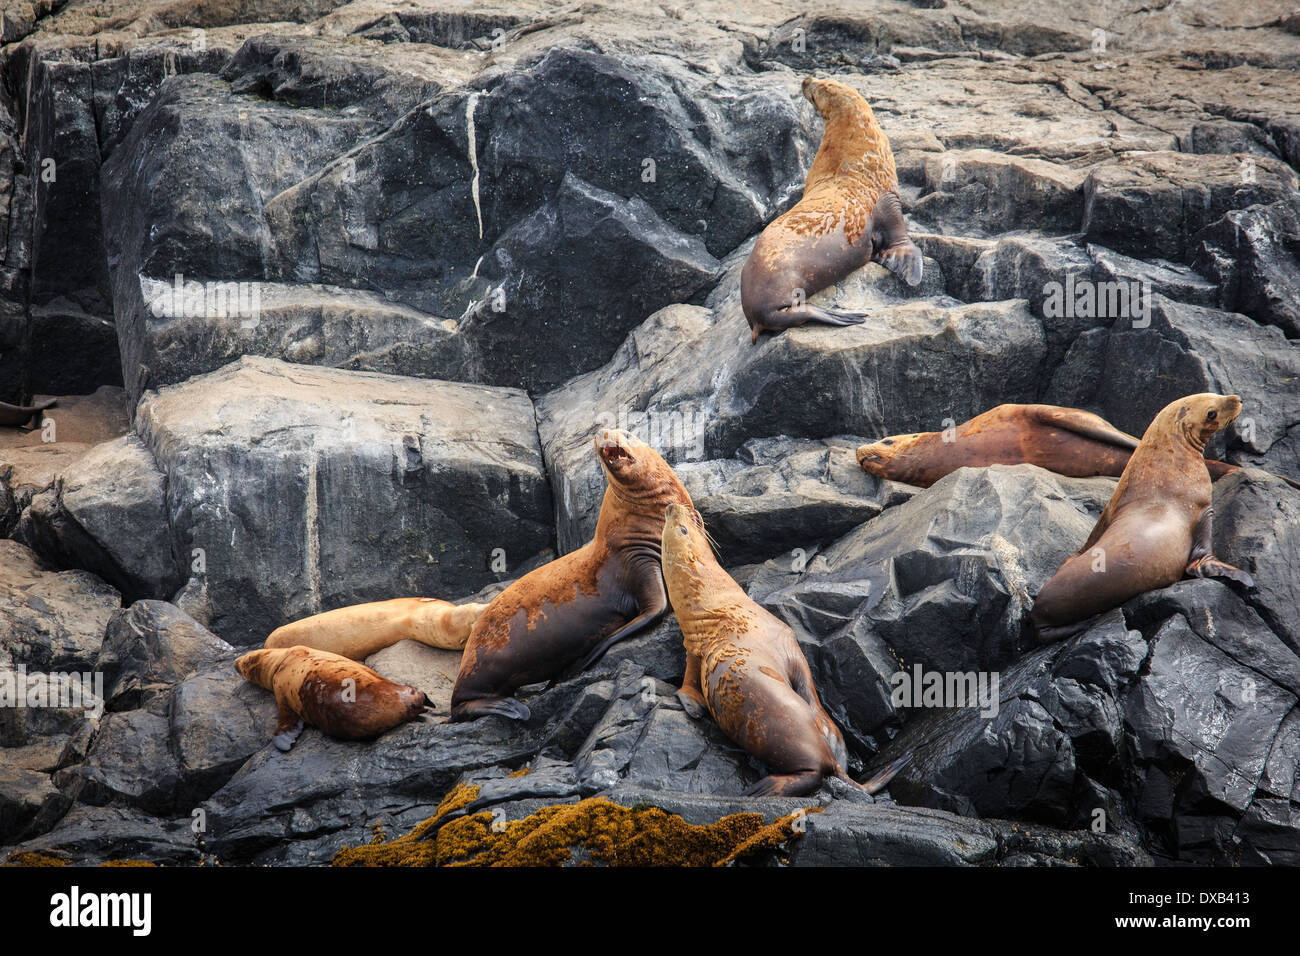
1087 425
651 602
1202 563
690 695
288 727
903 260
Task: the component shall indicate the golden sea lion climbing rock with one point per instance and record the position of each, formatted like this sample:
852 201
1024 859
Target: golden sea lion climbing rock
850 214
745 667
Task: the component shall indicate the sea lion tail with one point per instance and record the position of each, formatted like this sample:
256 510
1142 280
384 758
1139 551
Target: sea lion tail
882 777
904 260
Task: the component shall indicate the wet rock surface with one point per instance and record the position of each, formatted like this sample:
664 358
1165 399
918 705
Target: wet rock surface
334 298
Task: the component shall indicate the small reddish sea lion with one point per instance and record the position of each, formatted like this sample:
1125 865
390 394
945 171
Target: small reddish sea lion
1064 440
850 214
341 697
563 616
1156 528
360 630
18 416
745 667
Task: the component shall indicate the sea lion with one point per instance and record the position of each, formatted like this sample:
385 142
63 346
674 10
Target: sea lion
360 630
339 696
571 611
18 416
745 667
1067 441
850 214
1156 528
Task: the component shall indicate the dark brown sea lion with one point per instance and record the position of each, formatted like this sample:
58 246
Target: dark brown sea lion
563 616
339 696
1067 441
745 667
18 416
362 629
850 214
1156 528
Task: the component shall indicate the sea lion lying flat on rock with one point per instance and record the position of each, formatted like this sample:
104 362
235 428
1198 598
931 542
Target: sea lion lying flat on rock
850 214
1067 441
337 695
18 416
362 629
1156 528
745 667
563 616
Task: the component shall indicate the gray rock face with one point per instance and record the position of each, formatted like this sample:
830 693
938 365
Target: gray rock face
1254 256
1187 349
108 514
361 487
689 381
50 620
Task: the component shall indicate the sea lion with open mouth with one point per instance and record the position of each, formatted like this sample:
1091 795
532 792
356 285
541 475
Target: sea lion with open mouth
563 616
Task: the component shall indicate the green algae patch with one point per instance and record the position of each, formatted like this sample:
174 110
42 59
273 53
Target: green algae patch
595 831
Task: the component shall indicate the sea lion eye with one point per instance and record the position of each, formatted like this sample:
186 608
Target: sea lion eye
888 441
682 529
1211 415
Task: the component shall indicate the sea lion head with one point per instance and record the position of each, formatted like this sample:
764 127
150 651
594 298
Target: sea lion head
1199 417
685 543
636 473
884 458
259 666
831 98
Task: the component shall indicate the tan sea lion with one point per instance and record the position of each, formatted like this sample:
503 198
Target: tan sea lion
360 630
337 695
18 416
563 616
1156 528
850 214
1067 441
745 667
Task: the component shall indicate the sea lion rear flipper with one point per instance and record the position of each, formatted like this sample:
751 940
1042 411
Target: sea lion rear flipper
786 785
831 316
881 778
1087 425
